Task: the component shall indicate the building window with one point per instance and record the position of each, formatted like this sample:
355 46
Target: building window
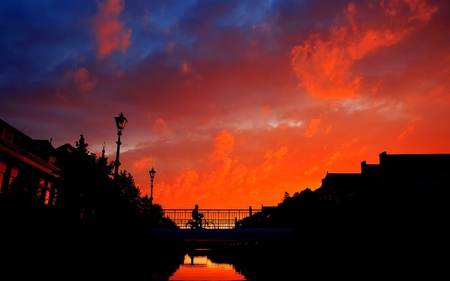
52 160
52 195
42 191
12 177
2 174
7 134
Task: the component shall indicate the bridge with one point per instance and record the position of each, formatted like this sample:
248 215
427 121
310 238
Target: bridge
223 230
221 218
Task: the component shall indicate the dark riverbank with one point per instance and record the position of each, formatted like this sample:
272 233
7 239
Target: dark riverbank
65 255
397 253
364 258
402 244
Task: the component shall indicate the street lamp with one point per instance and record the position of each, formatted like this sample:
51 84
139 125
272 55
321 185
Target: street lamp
121 121
152 173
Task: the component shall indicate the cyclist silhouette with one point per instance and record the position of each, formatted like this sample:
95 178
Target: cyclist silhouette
197 216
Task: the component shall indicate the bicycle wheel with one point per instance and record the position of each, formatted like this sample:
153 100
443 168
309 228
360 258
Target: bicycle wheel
189 225
209 225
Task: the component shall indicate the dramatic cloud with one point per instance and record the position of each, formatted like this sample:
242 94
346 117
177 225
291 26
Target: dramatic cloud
109 29
324 62
233 103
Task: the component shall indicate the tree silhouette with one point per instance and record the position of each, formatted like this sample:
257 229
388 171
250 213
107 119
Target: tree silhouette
92 201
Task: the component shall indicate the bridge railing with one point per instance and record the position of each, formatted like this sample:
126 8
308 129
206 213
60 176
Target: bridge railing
222 218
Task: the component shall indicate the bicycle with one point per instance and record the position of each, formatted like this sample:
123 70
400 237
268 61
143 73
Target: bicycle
192 224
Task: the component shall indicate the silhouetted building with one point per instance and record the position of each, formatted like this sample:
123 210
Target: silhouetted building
340 188
408 172
400 177
27 167
372 186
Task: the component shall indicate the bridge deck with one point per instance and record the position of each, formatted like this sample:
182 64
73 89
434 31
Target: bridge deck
223 234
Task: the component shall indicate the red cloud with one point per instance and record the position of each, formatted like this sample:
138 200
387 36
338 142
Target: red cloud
80 79
110 31
323 63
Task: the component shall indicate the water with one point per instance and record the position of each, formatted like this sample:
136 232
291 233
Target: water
197 266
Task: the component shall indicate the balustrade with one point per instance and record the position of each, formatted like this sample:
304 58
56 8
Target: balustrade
222 218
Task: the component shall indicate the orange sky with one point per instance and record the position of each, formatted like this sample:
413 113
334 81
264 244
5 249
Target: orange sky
232 103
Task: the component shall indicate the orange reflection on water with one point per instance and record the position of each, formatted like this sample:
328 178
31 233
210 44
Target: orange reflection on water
201 268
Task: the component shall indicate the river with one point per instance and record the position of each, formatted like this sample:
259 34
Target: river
198 266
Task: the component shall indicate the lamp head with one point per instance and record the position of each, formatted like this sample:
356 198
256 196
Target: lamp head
152 173
121 121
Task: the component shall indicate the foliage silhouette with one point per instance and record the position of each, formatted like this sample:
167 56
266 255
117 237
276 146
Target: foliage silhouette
94 218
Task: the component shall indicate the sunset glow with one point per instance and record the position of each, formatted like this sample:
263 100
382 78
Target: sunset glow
233 103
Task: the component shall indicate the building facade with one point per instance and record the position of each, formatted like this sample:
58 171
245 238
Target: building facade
27 169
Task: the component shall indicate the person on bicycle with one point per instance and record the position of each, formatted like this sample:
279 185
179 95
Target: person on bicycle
197 216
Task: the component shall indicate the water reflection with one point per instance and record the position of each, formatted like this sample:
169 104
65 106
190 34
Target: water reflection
197 266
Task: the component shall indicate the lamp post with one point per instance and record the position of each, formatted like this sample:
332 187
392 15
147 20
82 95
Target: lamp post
121 121
152 173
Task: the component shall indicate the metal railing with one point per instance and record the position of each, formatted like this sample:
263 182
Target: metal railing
221 218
